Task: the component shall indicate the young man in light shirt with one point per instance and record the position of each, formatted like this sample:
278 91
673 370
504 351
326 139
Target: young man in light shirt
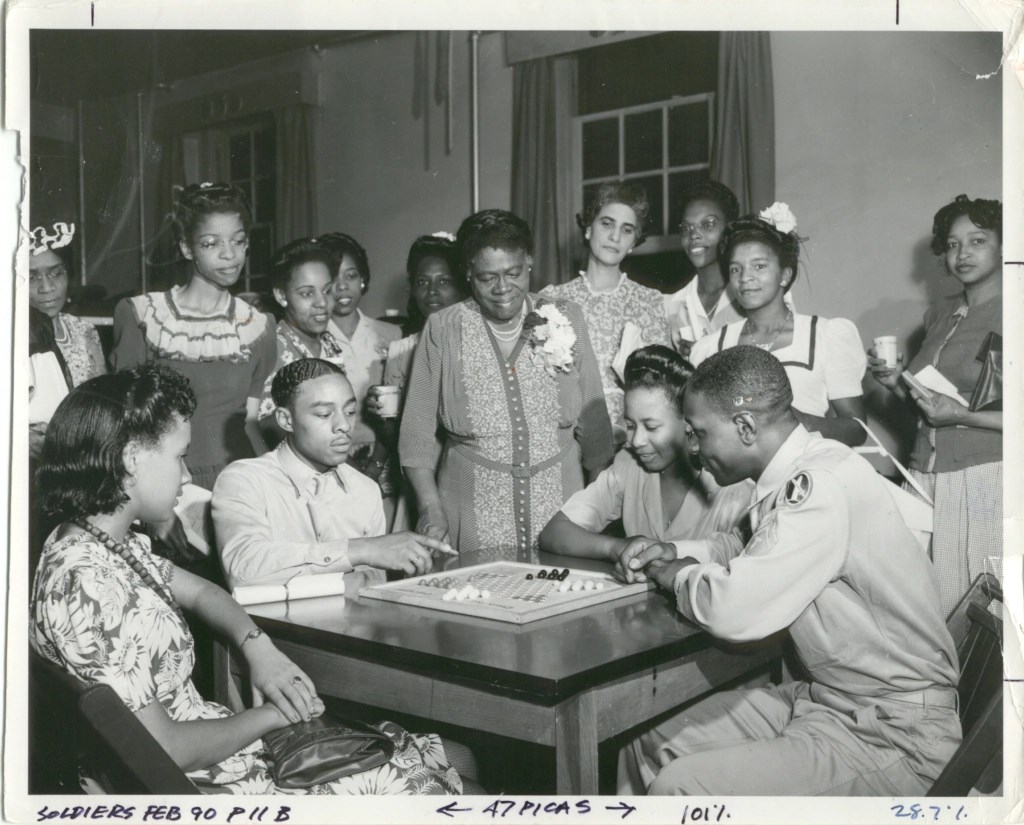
827 556
300 509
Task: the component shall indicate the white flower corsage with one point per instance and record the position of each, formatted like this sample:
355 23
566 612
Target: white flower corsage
447 236
552 338
780 216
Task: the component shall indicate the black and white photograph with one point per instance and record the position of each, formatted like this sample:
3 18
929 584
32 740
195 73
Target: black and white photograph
552 416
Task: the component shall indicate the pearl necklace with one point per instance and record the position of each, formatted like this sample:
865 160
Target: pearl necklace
61 333
767 345
507 336
120 549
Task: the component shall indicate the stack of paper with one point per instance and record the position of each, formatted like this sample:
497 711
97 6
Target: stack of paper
299 587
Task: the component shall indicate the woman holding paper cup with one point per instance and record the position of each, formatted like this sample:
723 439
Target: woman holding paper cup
823 357
107 610
621 314
957 455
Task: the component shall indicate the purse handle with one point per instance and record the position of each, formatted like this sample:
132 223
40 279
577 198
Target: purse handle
878 448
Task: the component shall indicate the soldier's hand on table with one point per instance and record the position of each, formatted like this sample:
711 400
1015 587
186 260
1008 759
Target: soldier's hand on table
281 681
639 552
664 573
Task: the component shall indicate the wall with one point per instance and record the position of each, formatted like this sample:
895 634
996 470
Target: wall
893 127
384 175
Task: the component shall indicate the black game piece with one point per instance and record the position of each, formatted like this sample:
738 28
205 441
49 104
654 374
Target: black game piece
564 574
529 576
555 573
542 574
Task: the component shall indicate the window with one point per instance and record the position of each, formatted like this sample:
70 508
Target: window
252 166
663 147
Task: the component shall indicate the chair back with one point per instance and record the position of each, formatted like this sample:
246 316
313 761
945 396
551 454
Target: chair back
978 638
72 723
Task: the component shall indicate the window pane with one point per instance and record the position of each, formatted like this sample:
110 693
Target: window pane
656 219
601 148
261 244
266 161
678 183
265 191
688 134
241 156
643 141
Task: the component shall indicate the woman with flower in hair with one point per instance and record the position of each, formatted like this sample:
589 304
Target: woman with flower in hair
958 454
824 358
51 269
613 226
505 408
225 347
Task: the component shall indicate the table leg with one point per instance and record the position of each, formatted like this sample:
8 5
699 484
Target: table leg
576 745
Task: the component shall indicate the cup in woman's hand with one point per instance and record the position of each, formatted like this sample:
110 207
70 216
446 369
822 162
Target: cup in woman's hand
886 348
386 400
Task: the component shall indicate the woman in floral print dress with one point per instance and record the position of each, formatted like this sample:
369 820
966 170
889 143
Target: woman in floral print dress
504 410
613 226
107 610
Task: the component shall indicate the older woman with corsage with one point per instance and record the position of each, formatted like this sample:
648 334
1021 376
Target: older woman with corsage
505 408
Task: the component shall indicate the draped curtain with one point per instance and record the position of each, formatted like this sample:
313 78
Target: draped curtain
296 194
744 154
543 105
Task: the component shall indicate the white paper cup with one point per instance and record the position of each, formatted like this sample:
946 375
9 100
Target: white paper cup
388 398
887 349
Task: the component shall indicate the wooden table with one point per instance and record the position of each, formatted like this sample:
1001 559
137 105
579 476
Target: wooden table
567 682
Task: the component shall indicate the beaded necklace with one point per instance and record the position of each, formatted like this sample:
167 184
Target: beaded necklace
122 550
767 346
507 336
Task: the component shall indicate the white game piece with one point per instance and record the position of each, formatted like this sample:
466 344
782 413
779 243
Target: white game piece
449 595
599 586
563 587
485 594
577 586
588 585
473 594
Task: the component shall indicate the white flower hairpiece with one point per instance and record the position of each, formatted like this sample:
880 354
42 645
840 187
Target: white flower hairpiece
41 240
205 184
780 216
448 236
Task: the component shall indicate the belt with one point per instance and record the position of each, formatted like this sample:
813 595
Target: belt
928 697
515 470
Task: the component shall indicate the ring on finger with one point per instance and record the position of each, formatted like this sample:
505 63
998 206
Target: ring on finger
296 680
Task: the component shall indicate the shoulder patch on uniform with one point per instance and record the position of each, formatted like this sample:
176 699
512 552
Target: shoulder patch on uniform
798 490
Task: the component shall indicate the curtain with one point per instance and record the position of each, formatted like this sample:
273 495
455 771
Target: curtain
543 104
744 155
296 193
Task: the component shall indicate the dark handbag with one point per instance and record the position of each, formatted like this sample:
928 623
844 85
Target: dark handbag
988 392
324 749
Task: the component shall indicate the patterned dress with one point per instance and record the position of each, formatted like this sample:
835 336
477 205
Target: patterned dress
226 358
510 436
94 617
606 314
291 348
80 346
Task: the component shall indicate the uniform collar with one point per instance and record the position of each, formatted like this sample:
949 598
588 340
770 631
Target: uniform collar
781 466
299 473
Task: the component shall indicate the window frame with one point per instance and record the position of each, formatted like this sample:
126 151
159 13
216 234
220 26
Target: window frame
666 238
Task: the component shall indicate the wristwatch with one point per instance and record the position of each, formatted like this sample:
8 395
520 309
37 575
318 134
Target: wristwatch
255 633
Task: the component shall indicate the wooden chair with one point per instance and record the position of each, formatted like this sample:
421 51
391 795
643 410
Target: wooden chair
72 723
978 762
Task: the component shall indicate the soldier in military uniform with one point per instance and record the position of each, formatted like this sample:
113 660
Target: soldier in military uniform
827 555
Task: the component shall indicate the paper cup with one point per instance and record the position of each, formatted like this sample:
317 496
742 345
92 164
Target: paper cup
388 398
887 349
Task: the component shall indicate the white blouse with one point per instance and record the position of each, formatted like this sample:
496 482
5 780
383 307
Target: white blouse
825 360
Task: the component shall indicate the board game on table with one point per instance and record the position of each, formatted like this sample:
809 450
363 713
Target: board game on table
507 591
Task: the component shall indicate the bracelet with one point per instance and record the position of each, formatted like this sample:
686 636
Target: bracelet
255 633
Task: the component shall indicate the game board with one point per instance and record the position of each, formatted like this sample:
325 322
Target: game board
505 590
